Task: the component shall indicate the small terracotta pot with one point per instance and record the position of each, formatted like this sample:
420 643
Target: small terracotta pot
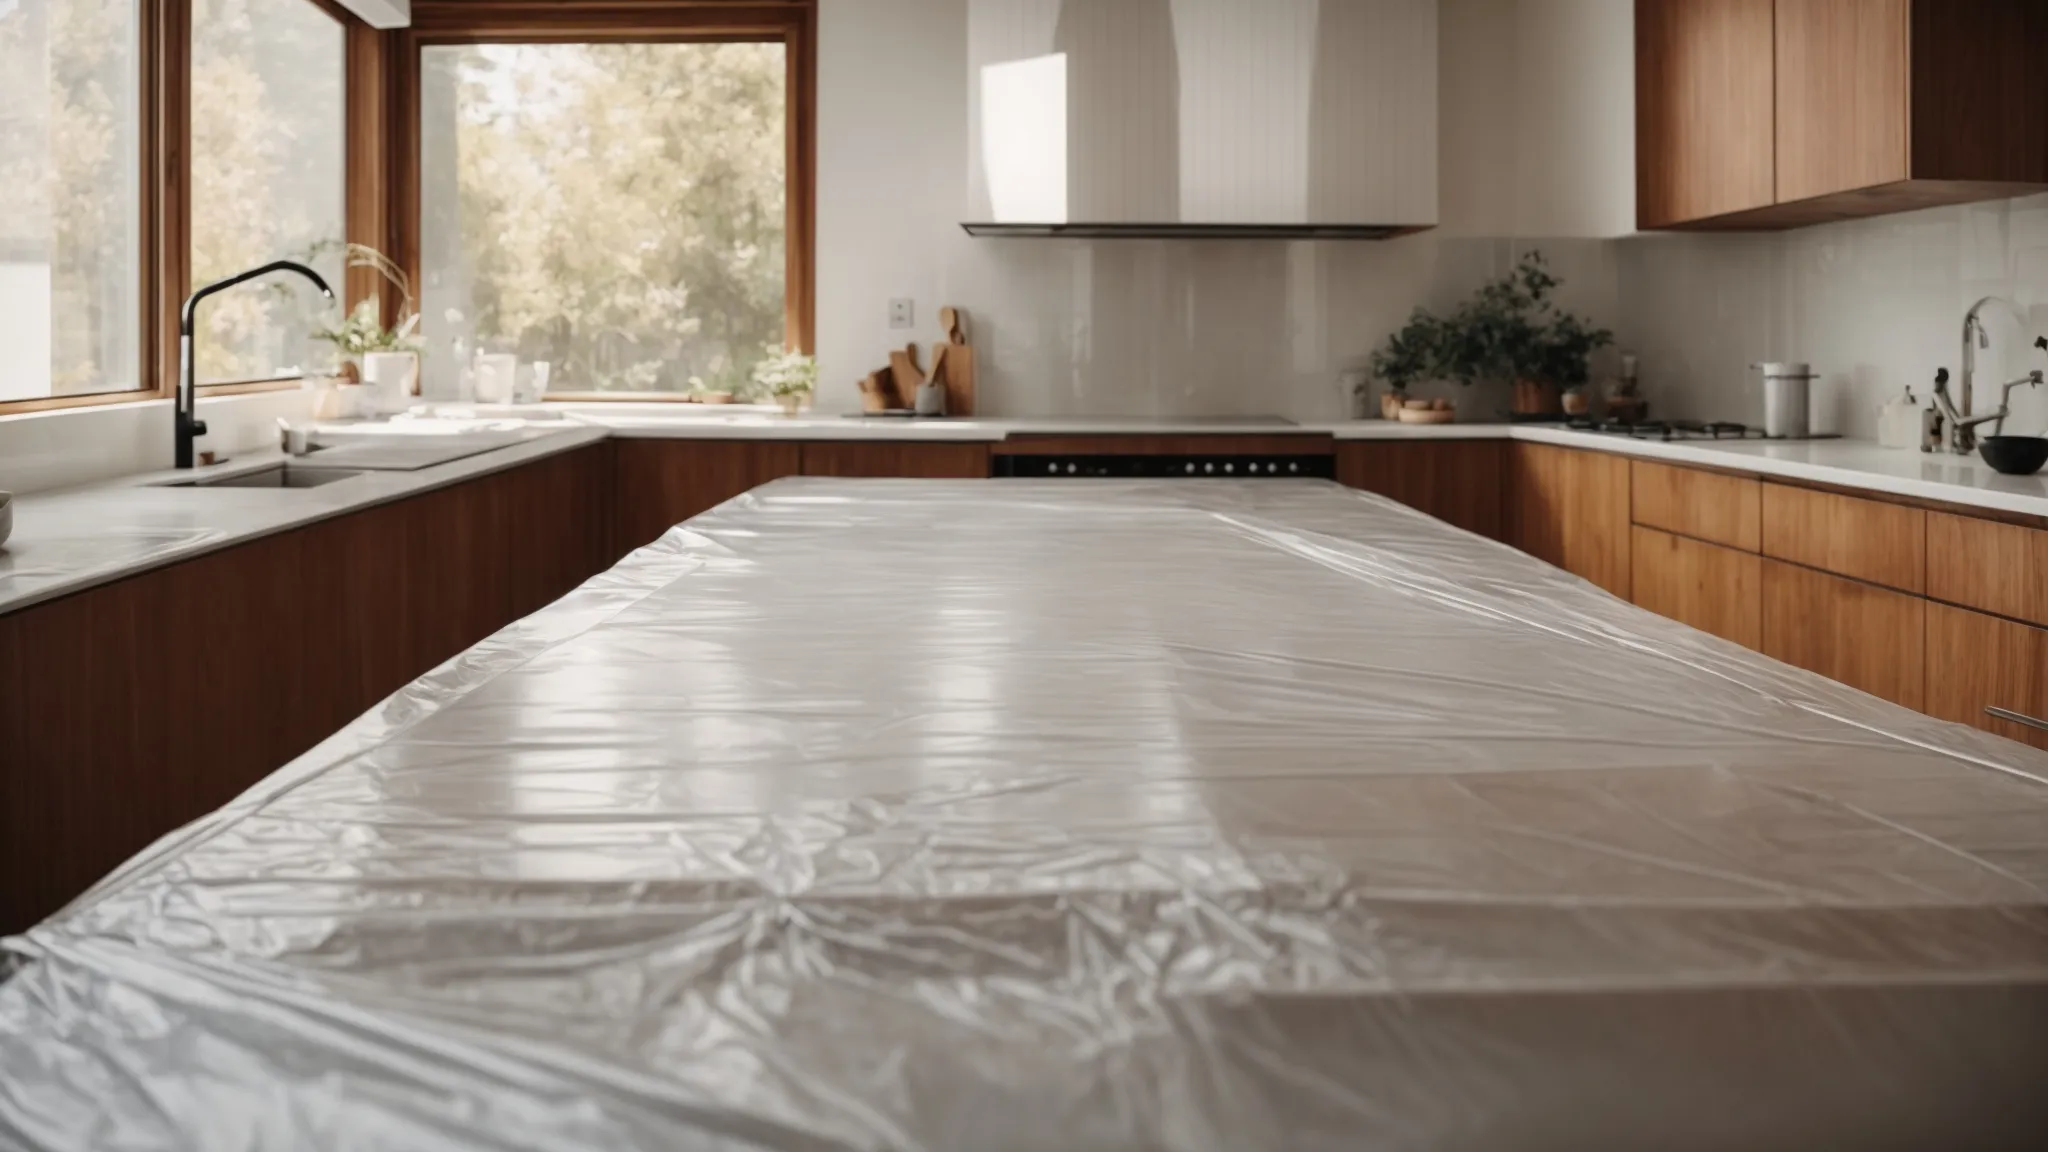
1577 403
1391 402
1537 398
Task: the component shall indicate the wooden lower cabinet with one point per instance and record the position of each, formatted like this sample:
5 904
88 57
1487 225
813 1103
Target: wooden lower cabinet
1871 540
1976 662
1457 481
134 707
661 483
1714 589
1570 507
874 458
1864 636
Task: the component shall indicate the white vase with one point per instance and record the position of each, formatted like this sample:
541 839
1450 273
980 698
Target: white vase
390 377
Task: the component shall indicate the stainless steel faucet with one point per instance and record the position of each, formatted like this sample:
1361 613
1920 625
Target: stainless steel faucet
185 423
1975 337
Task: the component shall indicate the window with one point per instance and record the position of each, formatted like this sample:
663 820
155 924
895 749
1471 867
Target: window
619 210
268 142
70 198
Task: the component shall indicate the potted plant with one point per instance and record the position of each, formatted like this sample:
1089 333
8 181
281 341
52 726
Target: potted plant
1511 330
1410 356
370 352
789 376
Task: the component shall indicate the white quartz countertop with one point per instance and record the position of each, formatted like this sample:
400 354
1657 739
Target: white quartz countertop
74 538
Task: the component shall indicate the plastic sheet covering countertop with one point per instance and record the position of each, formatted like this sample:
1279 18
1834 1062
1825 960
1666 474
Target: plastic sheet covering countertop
1074 815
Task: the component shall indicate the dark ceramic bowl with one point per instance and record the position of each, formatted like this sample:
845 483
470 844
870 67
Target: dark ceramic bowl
2014 455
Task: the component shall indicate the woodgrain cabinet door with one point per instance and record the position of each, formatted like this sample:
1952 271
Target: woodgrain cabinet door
1704 96
1976 662
1456 481
884 458
1867 539
1570 507
661 483
1710 506
1714 589
1842 95
1862 635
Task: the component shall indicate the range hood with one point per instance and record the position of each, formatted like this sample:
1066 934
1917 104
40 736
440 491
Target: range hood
1202 119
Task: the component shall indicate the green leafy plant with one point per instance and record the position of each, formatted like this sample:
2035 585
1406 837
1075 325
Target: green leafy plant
363 330
786 372
1510 329
1411 354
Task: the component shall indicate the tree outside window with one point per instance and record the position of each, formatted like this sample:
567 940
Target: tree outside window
618 210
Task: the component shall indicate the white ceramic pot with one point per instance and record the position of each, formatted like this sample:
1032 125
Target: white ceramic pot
497 375
390 378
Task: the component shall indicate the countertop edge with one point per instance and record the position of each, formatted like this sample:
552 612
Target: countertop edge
385 488
395 486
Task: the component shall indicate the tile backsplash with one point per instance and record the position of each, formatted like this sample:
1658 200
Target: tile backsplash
1874 305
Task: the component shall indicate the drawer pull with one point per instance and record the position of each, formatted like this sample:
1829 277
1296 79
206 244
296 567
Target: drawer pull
2008 714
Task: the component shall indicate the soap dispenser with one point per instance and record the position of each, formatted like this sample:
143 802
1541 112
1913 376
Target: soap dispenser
1898 422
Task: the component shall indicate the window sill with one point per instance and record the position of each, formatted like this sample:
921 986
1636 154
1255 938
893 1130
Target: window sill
244 387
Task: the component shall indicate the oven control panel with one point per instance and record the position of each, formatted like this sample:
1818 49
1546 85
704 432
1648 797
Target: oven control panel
1169 467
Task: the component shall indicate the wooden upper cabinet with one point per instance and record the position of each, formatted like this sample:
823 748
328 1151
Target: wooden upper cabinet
1868 107
1842 99
1703 109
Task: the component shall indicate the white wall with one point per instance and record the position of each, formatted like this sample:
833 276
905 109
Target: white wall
1874 305
1069 327
42 450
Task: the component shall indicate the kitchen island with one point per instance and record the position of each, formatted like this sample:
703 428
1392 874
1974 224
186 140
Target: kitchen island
906 813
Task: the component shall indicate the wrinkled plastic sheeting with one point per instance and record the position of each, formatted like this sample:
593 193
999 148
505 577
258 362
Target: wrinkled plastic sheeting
1072 815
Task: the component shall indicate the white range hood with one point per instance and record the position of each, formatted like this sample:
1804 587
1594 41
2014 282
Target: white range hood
1198 118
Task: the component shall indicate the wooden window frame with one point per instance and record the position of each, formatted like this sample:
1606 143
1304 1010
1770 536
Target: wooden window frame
793 23
164 235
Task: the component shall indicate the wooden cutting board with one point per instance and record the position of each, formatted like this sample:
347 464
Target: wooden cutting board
958 376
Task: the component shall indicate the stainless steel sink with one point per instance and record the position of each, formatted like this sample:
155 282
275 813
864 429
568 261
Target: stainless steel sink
275 476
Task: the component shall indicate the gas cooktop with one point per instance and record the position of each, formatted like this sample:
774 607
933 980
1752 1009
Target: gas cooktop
1684 430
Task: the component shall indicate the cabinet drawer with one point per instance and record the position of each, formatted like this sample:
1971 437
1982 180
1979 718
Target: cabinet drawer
1976 662
2000 568
1864 636
1714 589
1704 505
1867 539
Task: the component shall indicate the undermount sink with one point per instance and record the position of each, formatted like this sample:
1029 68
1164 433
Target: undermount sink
275 476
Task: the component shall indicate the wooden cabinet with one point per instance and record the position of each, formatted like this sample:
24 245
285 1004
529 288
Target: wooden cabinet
1714 589
136 706
661 483
1780 113
1862 635
1456 481
1975 661
1710 506
1841 83
1703 109
1849 535
886 458
2001 568
1571 507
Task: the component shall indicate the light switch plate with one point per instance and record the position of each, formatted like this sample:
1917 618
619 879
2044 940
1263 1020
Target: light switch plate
902 313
